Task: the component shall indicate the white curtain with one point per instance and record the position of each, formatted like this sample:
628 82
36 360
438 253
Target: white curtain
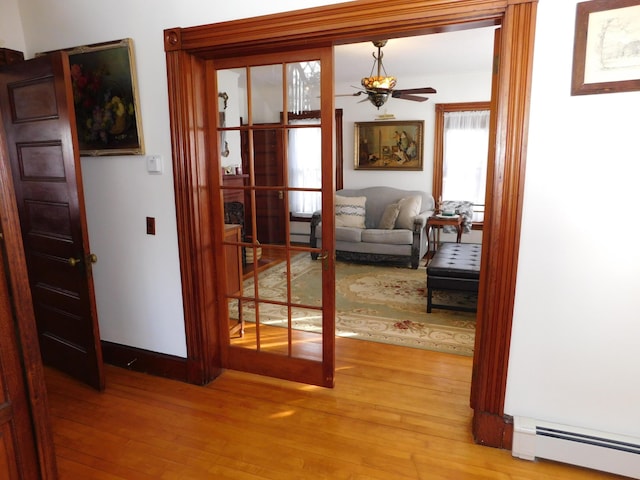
466 146
305 167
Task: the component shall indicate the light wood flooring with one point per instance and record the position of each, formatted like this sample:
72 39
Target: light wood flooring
395 413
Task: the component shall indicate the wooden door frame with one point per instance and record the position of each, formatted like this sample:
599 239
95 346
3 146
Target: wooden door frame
187 50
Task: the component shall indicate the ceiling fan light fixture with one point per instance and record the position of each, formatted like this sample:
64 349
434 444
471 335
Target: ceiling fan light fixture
383 82
378 98
378 86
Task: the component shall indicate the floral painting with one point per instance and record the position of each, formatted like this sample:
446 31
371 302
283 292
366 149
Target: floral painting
105 100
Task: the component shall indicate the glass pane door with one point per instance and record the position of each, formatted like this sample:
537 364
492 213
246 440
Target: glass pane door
280 302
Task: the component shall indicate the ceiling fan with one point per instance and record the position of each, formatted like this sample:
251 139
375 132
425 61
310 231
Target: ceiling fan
379 88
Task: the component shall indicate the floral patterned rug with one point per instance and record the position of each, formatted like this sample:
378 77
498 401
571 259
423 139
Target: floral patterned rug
376 303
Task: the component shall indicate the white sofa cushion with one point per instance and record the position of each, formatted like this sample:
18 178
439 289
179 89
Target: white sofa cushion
350 211
388 237
409 208
343 234
389 217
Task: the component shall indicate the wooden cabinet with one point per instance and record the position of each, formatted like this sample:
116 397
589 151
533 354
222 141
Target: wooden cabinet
232 234
234 181
233 258
236 202
7 57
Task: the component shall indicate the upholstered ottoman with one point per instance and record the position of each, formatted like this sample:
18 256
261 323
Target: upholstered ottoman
455 266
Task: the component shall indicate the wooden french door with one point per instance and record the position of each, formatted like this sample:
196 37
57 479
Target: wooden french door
286 303
37 110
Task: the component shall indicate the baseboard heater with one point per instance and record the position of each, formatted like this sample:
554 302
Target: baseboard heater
587 448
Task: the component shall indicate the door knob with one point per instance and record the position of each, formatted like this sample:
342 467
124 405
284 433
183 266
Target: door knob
91 258
74 261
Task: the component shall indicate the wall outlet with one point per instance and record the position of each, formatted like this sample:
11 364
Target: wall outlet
151 226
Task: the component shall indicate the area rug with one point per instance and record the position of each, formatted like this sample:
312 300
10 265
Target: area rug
373 302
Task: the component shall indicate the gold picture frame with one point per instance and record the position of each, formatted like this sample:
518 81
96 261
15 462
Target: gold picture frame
606 56
105 97
394 145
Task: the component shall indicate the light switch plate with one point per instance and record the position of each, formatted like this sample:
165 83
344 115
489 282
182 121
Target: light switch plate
154 164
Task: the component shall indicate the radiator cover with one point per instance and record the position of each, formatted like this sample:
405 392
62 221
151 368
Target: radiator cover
578 446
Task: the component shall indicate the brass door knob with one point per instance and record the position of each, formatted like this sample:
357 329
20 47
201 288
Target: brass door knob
74 261
91 258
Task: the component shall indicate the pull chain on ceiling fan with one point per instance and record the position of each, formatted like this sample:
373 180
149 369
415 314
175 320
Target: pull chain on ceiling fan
379 88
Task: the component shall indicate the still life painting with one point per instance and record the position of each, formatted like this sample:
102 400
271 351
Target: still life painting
105 99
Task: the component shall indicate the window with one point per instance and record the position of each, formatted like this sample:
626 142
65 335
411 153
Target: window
305 167
305 161
461 152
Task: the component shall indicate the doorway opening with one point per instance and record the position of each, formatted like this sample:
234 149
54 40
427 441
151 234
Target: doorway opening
189 50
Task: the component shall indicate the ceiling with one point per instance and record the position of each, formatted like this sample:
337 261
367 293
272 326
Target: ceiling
461 51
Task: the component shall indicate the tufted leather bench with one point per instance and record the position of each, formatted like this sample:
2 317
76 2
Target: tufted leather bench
455 266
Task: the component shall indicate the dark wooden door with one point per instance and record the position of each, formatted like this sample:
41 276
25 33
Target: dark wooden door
26 443
268 151
37 111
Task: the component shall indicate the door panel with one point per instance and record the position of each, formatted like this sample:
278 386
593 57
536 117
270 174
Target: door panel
48 185
283 291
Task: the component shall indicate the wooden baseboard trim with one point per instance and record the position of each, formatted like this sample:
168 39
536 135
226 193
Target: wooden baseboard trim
145 361
493 430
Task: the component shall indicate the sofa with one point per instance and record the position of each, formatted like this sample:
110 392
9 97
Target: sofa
378 224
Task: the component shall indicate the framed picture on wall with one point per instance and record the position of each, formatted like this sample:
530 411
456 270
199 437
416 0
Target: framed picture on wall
606 56
395 145
105 97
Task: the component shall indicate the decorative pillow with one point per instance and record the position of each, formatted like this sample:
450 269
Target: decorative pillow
388 220
350 211
409 208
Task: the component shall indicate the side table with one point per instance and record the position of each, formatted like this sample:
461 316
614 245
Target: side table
437 222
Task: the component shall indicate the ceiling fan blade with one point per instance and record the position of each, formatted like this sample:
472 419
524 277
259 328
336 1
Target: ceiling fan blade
417 90
349 94
413 98
404 96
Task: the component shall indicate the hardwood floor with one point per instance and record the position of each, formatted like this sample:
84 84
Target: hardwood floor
395 413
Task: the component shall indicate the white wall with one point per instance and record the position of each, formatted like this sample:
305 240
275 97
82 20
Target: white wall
468 87
11 33
574 350
137 277
574 355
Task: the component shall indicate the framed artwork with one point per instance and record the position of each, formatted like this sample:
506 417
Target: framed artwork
606 55
395 145
105 97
